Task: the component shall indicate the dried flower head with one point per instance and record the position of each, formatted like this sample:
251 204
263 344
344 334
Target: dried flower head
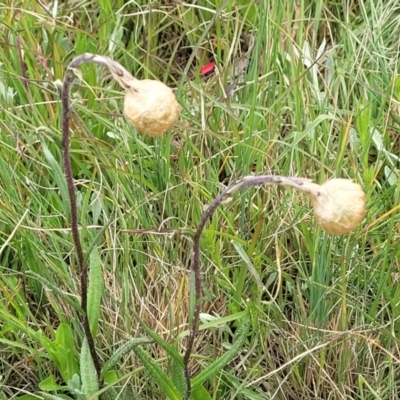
339 205
151 107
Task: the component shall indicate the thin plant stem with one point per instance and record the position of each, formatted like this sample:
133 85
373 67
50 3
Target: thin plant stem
222 198
125 79
82 265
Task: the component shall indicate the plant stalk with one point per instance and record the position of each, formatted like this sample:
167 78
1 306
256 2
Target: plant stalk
126 81
223 197
82 266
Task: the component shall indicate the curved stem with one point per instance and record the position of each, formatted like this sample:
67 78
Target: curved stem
223 197
119 73
123 78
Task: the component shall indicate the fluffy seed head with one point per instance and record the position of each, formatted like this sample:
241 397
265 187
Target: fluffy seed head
339 205
151 107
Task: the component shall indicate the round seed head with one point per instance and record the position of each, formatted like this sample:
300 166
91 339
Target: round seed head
150 107
339 206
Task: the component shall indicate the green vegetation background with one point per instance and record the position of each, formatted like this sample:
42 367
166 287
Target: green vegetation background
319 97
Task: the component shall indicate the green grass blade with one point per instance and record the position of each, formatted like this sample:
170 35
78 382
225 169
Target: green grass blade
95 290
69 300
178 377
162 343
96 239
213 368
58 175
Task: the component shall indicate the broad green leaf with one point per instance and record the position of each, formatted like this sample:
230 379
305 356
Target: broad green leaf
110 377
200 393
50 384
49 345
66 356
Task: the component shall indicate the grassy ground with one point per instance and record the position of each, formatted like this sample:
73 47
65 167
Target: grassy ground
319 98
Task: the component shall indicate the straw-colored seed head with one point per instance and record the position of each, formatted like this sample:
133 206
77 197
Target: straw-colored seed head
151 107
339 206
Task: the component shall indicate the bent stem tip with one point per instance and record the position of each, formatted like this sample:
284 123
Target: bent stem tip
333 207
